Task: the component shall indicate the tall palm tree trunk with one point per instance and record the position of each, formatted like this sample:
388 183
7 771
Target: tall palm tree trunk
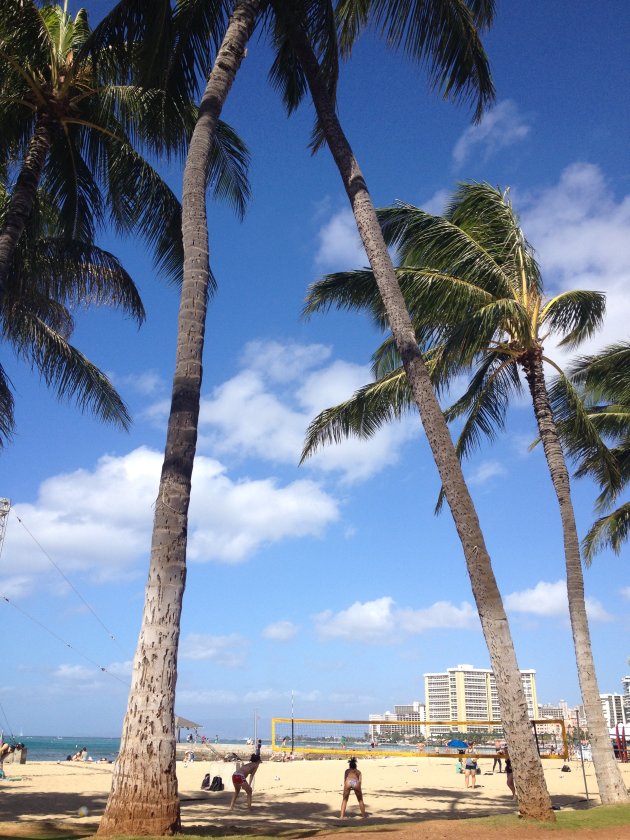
611 786
143 798
534 800
23 198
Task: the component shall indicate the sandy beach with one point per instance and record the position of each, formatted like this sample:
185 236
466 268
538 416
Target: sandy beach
291 795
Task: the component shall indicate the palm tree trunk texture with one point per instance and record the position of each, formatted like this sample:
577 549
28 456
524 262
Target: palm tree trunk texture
143 798
609 780
23 198
534 800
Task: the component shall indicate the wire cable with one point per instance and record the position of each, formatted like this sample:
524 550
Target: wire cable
70 584
63 641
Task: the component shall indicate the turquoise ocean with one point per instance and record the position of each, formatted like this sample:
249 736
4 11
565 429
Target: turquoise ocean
54 748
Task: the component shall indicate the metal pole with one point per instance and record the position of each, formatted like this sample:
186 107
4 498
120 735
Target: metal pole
577 720
292 725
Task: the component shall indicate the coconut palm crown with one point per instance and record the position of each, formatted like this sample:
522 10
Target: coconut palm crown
70 127
475 294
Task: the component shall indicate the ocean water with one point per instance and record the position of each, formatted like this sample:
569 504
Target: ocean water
51 748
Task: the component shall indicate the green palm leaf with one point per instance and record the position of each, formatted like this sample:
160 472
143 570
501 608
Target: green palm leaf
577 314
610 531
441 36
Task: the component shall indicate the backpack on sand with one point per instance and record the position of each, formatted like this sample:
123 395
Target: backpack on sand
216 783
205 785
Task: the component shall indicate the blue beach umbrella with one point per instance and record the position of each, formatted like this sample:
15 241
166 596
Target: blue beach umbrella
460 745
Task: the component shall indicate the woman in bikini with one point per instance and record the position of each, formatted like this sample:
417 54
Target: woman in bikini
239 779
352 782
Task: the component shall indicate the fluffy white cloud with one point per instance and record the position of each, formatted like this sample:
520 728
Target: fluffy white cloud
382 621
551 600
229 651
625 592
98 522
500 127
340 247
580 233
265 409
280 631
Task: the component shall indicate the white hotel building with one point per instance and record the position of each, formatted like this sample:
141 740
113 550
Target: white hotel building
468 694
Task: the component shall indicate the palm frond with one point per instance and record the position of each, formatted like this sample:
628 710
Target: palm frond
577 314
362 415
610 531
443 37
227 173
70 373
7 406
436 242
581 435
606 375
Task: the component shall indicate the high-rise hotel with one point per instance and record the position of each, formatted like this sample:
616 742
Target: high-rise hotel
468 694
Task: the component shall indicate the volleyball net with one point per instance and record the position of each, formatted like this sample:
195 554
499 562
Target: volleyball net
383 736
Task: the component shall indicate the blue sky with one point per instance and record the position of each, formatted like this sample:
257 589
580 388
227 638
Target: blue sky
332 582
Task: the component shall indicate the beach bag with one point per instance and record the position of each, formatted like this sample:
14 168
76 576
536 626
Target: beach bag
205 785
216 783
565 769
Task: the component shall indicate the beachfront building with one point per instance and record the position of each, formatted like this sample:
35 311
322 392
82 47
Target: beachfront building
614 709
625 681
405 720
467 694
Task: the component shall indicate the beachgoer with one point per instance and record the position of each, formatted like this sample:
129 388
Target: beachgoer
216 739
352 782
470 771
509 777
189 757
239 779
458 766
497 760
258 747
5 750
190 738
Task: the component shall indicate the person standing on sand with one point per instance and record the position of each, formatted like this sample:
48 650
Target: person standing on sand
352 782
239 780
470 772
509 777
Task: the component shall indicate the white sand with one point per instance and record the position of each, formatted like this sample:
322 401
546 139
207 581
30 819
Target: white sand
298 794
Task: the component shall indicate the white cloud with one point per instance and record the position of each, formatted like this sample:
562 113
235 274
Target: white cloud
625 592
500 127
229 651
550 600
486 471
280 631
340 246
442 614
284 361
580 232
148 383
249 416
382 621
98 522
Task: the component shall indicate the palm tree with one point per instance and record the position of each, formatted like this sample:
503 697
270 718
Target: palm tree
48 277
596 395
475 293
445 35
67 127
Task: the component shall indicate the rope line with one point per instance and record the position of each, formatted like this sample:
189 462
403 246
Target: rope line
70 584
63 641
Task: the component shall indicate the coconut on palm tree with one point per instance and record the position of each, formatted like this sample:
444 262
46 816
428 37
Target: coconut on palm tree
49 277
475 294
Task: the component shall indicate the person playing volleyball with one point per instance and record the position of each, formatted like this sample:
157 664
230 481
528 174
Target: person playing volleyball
239 779
352 782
